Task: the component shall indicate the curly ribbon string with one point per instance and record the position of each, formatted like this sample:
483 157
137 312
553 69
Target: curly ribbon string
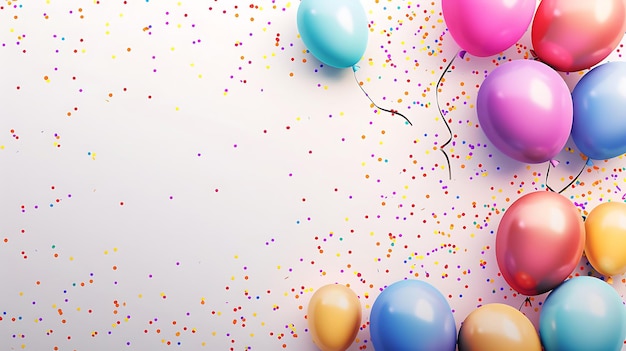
554 163
526 302
461 54
393 112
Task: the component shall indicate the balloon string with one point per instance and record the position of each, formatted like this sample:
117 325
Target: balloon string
570 183
442 147
525 302
393 112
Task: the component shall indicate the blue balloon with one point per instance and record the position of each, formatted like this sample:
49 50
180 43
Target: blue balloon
599 128
412 315
583 313
334 31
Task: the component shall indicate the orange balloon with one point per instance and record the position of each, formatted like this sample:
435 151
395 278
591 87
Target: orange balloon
498 327
605 244
334 316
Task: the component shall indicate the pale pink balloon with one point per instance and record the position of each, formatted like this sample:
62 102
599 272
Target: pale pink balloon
539 243
487 27
572 35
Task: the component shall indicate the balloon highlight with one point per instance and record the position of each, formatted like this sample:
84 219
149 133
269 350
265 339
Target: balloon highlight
584 313
539 242
412 315
525 109
334 31
334 317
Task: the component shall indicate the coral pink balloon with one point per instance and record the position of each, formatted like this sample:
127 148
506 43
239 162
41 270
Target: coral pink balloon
539 243
487 27
571 35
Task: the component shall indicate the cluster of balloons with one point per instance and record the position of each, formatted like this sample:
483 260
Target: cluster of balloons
539 242
407 315
525 108
583 313
568 35
527 111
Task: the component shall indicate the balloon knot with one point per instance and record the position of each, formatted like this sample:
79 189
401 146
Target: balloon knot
554 163
609 280
589 162
355 68
462 54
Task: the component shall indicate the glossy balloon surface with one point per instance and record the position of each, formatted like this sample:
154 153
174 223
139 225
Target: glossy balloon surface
605 245
525 109
599 128
495 327
412 315
584 313
487 27
334 317
539 242
334 31
572 35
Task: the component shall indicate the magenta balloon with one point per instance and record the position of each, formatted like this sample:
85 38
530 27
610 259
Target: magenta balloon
487 27
525 108
539 243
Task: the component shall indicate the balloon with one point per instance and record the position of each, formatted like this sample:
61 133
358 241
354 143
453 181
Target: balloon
571 35
525 109
412 315
599 128
584 313
334 317
605 244
487 27
539 243
495 327
334 31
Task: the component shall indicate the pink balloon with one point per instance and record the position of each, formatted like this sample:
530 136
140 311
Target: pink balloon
525 108
571 35
487 27
539 243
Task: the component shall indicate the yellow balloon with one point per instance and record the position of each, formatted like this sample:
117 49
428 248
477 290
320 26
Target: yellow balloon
498 326
334 317
605 244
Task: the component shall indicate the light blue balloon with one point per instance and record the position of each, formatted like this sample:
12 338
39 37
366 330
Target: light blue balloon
334 31
599 128
583 313
412 315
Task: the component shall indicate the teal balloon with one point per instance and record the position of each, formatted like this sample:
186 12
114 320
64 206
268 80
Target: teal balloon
334 31
583 313
599 98
412 315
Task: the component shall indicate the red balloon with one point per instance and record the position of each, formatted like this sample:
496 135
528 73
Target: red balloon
539 243
571 35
